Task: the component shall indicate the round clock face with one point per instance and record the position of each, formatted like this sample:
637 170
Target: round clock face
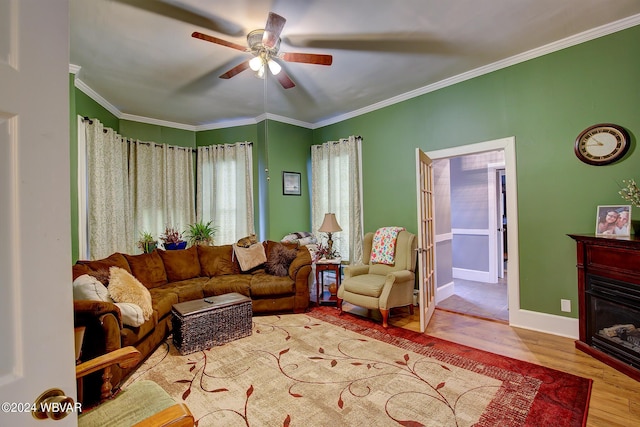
602 144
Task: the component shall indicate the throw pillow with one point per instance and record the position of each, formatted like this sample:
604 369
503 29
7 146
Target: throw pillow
123 287
250 257
131 314
217 261
280 259
181 264
89 288
148 269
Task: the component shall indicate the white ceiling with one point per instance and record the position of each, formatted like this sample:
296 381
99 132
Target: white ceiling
140 58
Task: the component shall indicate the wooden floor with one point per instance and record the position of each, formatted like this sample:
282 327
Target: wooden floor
615 398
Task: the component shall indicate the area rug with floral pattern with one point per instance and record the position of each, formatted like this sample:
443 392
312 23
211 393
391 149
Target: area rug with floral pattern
321 369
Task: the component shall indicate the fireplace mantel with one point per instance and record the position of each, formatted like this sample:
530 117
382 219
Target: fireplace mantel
608 274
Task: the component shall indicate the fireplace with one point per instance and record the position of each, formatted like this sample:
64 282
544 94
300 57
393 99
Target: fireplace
609 300
613 318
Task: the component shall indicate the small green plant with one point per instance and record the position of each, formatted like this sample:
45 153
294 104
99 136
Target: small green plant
171 235
200 233
146 242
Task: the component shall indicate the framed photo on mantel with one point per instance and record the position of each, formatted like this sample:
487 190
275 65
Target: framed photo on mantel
291 183
613 220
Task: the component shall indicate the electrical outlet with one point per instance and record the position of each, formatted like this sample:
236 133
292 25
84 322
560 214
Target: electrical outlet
565 305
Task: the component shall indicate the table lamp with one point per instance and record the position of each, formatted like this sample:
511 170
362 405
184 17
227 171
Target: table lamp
329 225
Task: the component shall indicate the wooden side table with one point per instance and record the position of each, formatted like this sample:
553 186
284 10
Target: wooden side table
322 266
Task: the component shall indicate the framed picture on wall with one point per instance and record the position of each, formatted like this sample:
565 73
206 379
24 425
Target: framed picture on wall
613 220
291 183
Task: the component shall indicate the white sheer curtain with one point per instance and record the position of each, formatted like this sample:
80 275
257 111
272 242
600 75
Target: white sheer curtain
225 189
125 187
109 219
162 188
336 173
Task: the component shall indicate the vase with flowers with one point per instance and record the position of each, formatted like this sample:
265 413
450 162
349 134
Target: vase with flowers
631 193
172 239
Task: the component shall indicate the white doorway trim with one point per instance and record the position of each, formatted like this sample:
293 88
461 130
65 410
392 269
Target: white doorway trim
495 222
508 145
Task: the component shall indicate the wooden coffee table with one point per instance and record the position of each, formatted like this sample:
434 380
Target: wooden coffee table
211 321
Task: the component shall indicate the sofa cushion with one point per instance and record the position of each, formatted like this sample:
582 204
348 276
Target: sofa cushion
365 284
279 260
217 260
148 269
181 264
219 285
100 267
162 299
266 285
123 287
187 290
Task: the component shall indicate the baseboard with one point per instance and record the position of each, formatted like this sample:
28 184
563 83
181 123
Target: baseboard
475 275
543 322
444 292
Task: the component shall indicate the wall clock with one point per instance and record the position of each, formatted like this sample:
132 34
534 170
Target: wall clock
602 144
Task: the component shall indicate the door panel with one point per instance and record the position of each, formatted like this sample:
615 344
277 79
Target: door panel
37 351
426 238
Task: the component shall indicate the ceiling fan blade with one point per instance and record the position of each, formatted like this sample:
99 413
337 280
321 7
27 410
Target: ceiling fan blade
285 80
307 58
275 24
399 42
236 70
216 40
179 10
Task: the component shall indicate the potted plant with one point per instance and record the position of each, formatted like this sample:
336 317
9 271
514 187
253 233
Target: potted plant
200 233
172 239
146 242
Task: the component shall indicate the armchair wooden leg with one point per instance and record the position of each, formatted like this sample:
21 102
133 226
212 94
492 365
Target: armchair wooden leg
411 309
339 303
385 317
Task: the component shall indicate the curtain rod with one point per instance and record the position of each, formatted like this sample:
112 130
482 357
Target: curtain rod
130 140
337 142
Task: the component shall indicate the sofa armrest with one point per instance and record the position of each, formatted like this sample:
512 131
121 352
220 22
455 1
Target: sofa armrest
302 258
86 308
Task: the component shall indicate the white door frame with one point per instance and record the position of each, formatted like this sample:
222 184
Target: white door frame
509 147
495 257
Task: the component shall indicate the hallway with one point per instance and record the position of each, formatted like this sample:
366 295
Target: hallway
484 300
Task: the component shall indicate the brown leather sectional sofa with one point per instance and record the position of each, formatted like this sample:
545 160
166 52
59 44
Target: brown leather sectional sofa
177 276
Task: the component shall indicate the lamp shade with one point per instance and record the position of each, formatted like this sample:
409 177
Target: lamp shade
329 224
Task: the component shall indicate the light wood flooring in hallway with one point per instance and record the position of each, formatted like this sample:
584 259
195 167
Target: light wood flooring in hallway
484 300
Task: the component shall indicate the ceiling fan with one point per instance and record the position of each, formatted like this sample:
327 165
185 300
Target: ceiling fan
264 45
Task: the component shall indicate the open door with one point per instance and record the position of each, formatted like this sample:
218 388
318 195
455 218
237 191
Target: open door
426 242
37 351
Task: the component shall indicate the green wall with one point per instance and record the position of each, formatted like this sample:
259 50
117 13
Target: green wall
289 149
159 134
545 103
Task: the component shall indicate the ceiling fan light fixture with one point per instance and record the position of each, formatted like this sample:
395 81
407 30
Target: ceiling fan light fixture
274 67
256 63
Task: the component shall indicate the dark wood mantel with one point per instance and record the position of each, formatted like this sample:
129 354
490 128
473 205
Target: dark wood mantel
609 258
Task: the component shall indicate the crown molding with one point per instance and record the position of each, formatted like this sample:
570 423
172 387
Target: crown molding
570 41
